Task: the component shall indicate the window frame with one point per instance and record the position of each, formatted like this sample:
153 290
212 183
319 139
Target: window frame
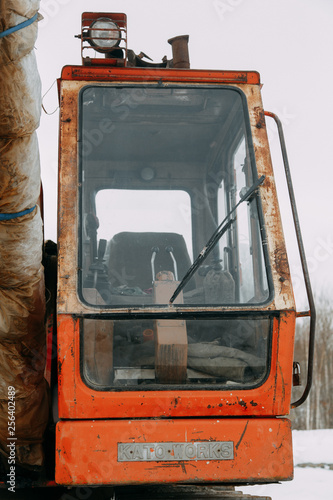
183 310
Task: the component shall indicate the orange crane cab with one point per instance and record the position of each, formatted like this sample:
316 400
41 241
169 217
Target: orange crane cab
175 308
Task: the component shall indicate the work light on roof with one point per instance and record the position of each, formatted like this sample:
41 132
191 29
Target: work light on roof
104 34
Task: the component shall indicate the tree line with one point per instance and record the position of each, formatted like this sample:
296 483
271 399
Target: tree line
317 411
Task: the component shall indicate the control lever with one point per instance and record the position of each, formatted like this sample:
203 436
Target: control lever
169 249
154 250
101 250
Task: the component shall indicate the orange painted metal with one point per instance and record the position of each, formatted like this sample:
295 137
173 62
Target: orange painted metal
150 74
77 400
86 448
87 451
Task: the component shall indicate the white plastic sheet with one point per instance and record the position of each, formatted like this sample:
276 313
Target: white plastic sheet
22 296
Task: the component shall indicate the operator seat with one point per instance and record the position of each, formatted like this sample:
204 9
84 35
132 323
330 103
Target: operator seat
130 256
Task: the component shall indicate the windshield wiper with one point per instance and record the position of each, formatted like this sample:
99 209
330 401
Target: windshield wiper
218 233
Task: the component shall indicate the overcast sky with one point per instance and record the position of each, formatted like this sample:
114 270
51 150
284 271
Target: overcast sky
288 41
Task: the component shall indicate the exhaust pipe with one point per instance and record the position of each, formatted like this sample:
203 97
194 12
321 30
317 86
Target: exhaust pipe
181 58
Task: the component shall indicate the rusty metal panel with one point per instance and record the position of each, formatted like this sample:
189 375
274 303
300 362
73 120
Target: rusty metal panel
258 451
68 200
284 298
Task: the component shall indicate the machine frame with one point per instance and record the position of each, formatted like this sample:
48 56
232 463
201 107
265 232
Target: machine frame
169 415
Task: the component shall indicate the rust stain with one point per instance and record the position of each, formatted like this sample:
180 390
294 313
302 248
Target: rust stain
242 403
281 263
260 117
175 402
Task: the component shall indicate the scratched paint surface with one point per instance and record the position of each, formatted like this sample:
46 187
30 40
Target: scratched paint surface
88 451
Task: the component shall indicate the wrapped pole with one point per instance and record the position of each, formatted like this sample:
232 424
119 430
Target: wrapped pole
22 296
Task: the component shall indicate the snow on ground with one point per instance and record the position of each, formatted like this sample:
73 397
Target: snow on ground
314 447
310 483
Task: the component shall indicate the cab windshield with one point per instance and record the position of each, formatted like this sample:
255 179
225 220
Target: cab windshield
161 168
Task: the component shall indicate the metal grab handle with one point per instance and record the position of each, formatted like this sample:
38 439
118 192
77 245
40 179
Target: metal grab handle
169 249
312 311
154 250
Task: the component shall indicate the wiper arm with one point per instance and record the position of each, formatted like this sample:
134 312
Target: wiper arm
218 233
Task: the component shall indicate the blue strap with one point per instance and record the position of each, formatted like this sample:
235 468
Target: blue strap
19 26
18 214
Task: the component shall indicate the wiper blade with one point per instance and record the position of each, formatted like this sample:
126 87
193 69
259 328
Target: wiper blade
218 233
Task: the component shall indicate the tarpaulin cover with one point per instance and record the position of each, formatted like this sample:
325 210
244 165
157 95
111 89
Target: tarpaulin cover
22 297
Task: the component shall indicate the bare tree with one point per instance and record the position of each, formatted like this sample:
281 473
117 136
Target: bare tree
317 412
